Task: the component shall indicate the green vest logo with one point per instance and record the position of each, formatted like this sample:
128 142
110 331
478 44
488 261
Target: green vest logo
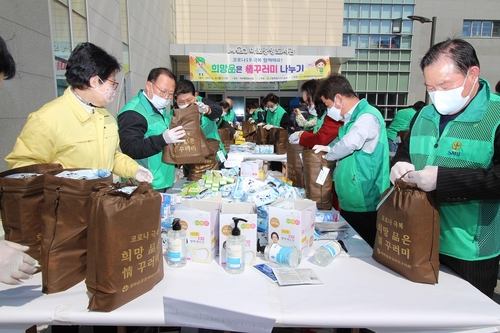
455 146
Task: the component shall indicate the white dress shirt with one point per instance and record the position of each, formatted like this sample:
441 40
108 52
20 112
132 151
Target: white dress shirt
364 135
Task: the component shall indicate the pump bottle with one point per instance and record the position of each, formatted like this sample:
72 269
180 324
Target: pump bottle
235 249
176 245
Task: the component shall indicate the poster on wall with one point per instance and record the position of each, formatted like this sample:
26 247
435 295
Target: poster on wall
219 67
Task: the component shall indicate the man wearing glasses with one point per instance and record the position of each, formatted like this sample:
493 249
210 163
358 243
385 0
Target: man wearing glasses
144 126
75 130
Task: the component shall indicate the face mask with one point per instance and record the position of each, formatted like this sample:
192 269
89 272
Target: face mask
450 101
108 94
334 113
273 109
183 106
159 102
312 110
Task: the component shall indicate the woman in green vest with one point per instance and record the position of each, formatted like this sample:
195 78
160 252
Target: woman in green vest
276 116
256 113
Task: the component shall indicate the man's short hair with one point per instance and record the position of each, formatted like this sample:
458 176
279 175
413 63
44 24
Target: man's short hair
333 85
462 54
88 60
156 72
184 87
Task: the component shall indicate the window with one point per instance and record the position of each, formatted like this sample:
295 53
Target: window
481 29
69 28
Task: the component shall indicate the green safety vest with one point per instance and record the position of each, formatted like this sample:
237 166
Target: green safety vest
308 128
255 114
211 130
361 178
274 118
468 230
229 117
319 122
163 173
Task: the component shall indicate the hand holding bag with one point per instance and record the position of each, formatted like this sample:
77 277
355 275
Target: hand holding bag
407 238
124 244
190 151
313 165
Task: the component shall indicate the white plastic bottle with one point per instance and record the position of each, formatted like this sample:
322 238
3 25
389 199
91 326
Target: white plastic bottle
326 253
235 249
284 255
176 245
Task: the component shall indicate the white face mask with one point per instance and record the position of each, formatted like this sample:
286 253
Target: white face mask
108 94
450 101
183 106
312 110
273 109
334 113
159 102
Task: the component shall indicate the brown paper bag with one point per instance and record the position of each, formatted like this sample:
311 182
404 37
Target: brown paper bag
407 238
225 136
21 204
249 130
294 164
196 171
190 151
261 135
313 165
65 216
124 244
280 139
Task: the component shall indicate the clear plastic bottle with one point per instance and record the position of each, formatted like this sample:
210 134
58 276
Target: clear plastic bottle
284 255
326 253
176 245
235 249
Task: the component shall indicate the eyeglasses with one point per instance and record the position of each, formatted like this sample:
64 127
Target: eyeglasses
115 84
164 93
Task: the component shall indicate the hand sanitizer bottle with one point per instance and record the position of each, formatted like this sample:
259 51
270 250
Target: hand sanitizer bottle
176 245
235 249
326 253
284 255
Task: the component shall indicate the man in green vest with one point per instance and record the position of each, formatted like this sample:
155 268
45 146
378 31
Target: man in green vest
185 94
230 116
144 127
362 155
401 123
454 149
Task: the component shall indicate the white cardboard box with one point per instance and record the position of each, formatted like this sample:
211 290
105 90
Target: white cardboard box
202 233
251 168
244 210
292 221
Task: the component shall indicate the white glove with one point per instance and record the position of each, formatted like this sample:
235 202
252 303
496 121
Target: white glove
236 135
261 124
425 179
295 137
318 148
268 126
14 263
399 169
202 107
143 174
174 135
252 121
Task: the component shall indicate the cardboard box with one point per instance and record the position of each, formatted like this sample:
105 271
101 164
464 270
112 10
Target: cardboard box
244 210
291 223
253 169
200 219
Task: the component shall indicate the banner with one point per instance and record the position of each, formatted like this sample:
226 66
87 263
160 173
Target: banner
217 67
